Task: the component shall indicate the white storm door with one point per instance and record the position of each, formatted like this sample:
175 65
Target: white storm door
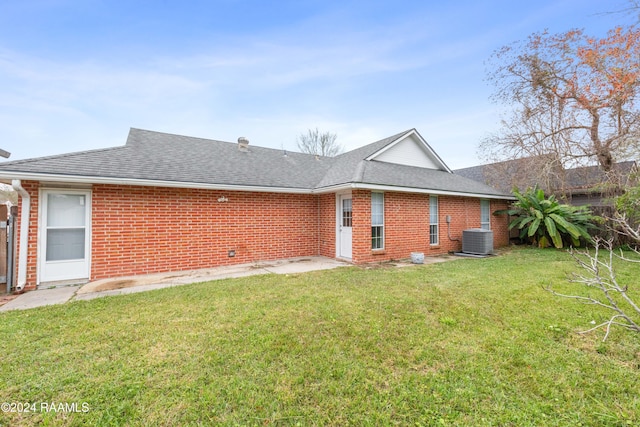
65 248
345 226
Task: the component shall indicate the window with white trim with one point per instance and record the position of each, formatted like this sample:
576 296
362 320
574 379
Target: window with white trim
485 214
433 220
377 220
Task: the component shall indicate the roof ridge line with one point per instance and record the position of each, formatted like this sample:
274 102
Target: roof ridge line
178 135
292 152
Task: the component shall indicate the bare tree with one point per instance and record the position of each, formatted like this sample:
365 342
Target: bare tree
319 143
598 273
572 98
632 9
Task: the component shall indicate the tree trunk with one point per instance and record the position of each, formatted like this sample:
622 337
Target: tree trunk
603 154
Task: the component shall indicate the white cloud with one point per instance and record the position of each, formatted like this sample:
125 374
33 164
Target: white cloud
362 80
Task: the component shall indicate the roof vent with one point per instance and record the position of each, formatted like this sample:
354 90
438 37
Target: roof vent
243 144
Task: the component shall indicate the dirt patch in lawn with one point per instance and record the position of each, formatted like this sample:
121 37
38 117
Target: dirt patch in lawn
407 262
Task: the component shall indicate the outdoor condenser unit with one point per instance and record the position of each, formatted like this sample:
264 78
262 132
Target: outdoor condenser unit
477 241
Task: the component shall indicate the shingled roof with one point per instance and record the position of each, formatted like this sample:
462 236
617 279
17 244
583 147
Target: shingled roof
528 172
162 159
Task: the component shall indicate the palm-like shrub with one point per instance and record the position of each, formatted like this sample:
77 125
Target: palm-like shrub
544 221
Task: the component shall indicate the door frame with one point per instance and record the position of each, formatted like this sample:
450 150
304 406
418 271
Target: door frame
42 229
338 222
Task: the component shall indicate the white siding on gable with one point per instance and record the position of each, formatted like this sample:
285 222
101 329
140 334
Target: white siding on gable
410 152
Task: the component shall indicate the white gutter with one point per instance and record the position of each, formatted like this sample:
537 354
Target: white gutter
230 187
45 177
24 233
431 191
378 187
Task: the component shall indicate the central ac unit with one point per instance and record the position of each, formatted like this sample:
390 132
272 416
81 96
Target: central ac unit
477 241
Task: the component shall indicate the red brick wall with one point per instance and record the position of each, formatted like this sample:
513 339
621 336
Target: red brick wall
327 225
406 225
138 230
500 223
32 250
361 226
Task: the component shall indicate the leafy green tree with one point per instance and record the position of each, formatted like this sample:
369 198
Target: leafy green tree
544 221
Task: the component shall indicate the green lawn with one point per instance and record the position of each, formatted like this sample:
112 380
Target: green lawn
472 342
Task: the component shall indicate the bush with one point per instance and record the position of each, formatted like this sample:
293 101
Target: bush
628 204
544 221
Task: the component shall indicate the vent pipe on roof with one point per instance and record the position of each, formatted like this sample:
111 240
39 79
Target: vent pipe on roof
243 144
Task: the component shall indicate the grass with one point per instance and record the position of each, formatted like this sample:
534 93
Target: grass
467 342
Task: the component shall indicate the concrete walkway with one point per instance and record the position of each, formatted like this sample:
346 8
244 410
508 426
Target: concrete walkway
133 284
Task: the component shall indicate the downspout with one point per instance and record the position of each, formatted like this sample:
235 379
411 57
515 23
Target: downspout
24 233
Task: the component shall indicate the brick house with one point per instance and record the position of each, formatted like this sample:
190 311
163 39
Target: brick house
167 202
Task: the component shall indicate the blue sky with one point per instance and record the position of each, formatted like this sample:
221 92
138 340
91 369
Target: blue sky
76 75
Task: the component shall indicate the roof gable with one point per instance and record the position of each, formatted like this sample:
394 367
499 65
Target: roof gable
410 149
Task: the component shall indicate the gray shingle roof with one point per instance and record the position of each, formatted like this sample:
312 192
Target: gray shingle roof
155 156
528 172
475 173
589 176
381 173
164 157
505 175
347 167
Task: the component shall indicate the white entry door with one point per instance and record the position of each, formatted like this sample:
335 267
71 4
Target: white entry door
345 226
65 247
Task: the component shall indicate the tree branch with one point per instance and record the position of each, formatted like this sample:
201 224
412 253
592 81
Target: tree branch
600 274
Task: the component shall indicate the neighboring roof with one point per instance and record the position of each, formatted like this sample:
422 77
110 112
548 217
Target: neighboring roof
161 159
526 172
587 177
475 173
518 173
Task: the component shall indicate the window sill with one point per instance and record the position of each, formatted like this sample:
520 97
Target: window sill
378 252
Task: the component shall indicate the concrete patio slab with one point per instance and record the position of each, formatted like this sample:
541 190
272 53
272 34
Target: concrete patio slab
41 298
147 282
302 265
142 283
